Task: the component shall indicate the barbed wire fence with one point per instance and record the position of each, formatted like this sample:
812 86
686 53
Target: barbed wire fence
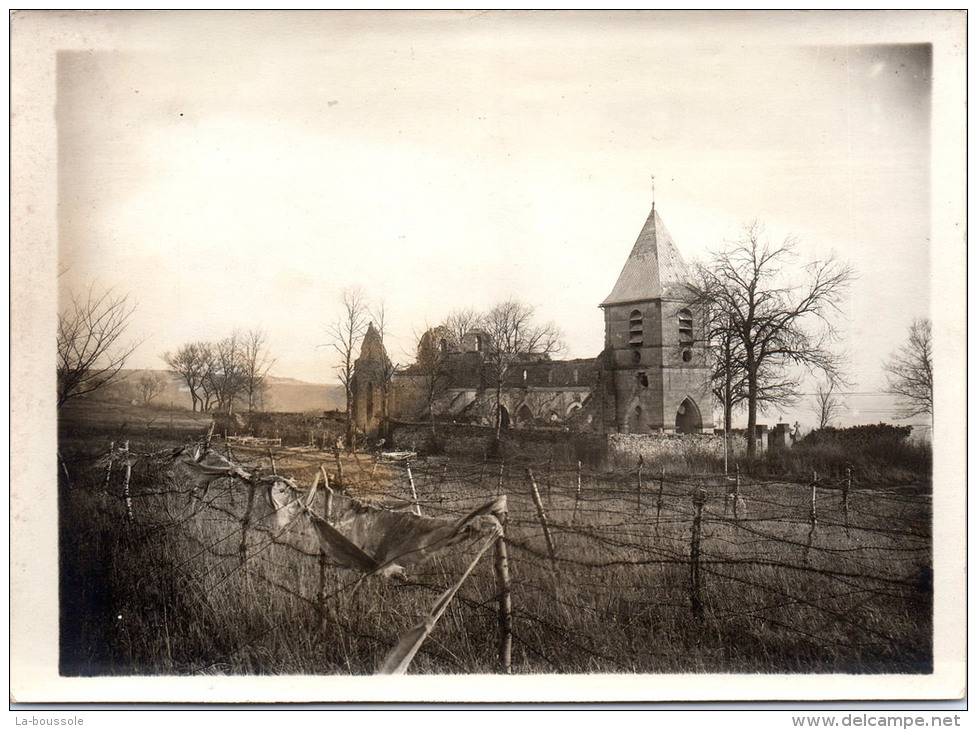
632 570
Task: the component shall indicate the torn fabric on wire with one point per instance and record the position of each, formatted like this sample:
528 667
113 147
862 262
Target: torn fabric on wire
376 540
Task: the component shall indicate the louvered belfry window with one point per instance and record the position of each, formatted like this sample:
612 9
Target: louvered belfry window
636 337
685 334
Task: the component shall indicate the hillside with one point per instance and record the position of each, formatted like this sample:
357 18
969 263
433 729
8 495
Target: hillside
284 394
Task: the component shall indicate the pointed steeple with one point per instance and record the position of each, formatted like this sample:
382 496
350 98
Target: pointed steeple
654 270
372 347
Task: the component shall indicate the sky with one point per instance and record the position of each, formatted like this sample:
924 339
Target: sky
238 171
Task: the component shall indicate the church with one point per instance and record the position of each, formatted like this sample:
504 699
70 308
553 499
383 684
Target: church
653 375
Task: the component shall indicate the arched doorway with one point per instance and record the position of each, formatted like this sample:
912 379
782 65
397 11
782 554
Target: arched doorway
688 418
523 414
503 417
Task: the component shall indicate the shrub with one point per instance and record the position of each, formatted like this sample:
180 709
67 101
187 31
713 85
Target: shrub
876 453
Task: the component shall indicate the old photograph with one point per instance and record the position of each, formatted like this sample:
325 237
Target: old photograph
506 350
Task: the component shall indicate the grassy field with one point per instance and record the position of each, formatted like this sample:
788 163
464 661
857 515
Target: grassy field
644 576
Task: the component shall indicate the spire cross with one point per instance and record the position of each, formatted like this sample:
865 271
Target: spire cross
652 192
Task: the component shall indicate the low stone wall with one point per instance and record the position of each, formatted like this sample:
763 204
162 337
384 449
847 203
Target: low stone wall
624 449
600 451
476 442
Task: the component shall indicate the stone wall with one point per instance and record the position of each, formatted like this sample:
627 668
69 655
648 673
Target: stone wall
624 449
476 442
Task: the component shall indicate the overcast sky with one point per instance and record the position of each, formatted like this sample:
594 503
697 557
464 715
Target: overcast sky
238 171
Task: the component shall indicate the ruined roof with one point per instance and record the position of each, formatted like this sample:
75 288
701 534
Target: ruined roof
654 270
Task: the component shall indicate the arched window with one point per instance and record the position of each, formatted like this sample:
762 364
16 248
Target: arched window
685 333
443 345
636 337
478 343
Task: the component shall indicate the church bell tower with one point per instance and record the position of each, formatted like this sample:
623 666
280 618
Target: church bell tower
655 365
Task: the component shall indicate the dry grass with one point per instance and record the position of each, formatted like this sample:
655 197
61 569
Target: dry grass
169 593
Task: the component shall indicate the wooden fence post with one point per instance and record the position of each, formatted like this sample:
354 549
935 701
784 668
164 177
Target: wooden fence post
125 485
814 515
339 469
661 496
108 469
641 462
505 603
326 515
541 514
444 480
245 521
576 499
413 491
695 587
845 494
814 502
736 494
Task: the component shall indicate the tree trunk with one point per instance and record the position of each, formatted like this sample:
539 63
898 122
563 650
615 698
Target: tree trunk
751 419
728 406
498 412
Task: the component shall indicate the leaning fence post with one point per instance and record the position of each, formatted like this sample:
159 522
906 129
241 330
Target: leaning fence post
698 499
541 514
505 603
125 486
413 491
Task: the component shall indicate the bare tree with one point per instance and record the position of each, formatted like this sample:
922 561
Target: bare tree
227 372
90 353
209 378
909 370
827 403
344 335
776 324
150 386
514 337
190 362
255 362
728 374
459 323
